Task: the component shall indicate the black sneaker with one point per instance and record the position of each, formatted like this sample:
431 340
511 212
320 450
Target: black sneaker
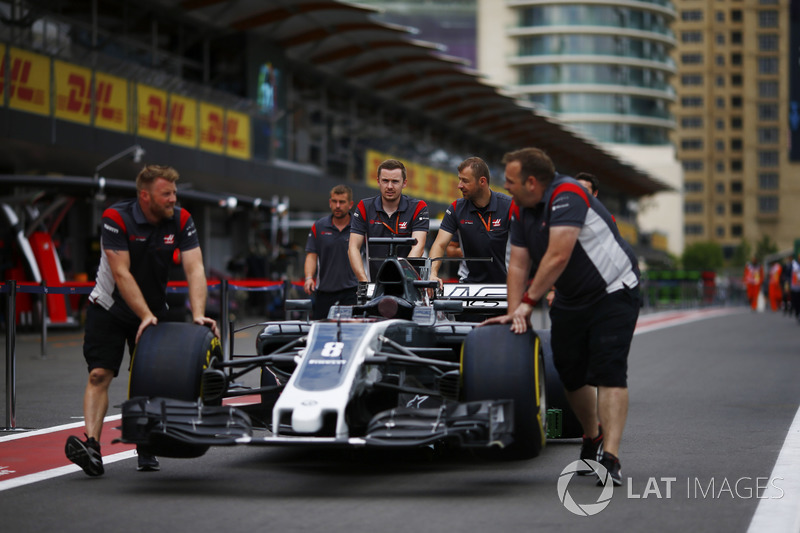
613 470
592 448
147 462
85 454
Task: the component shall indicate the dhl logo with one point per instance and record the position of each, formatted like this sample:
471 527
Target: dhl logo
20 77
79 99
218 126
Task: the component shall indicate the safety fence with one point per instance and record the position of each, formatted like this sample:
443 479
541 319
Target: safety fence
12 288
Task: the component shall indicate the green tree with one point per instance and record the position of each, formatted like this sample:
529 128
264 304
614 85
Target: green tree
702 256
764 247
741 254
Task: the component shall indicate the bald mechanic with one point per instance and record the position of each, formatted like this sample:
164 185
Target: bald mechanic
480 219
570 240
390 214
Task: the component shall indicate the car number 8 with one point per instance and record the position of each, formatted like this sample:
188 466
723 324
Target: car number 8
332 349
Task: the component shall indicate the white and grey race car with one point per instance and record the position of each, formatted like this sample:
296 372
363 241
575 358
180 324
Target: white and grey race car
401 368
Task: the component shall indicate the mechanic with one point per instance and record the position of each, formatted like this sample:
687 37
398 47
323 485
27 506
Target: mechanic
390 214
481 219
326 252
140 238
589 182
570 240
753 276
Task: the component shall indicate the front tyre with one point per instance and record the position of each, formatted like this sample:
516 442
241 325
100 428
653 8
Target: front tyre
497 364
169 361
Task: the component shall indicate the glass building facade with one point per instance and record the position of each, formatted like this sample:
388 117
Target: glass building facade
604 68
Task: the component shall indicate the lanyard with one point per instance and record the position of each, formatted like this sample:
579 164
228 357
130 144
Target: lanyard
487 225
396 222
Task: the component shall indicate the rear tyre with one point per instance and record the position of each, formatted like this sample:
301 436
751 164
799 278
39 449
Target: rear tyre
497 364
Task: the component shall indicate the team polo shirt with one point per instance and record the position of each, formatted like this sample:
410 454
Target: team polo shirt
370 220
152 249
330 245
602 262
482 232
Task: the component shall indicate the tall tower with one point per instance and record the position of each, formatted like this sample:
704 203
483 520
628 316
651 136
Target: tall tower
736 120
603 67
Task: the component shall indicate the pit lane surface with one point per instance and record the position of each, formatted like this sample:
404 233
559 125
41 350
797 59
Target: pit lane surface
712 400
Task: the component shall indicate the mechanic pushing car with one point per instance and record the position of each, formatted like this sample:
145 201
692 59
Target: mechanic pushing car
390 214
572 242
140 238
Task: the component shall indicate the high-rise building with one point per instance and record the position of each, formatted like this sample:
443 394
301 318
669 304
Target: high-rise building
736 61
604 68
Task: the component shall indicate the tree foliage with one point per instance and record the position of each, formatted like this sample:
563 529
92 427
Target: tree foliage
702 256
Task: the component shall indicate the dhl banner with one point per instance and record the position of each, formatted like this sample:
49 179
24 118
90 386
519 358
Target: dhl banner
159 115
182 121
237 135
30 80
151 112
423 182
112 103
212 128
73 92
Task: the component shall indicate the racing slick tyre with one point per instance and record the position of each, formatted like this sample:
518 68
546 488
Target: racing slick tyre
556 397
497 364
169 361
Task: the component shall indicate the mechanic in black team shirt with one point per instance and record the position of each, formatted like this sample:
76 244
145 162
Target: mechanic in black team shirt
327 248
571 241
390 214
481 220
140 238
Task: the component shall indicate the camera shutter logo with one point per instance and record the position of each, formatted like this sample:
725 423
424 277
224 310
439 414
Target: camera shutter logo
586 509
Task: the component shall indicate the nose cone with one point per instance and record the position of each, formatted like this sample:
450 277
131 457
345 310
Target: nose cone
307 419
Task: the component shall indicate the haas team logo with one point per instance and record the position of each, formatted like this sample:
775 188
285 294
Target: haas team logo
169 239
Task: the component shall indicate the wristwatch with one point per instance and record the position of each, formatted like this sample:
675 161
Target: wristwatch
526 299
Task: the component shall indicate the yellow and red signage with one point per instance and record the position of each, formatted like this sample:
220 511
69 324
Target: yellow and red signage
151 112
30 80
182 121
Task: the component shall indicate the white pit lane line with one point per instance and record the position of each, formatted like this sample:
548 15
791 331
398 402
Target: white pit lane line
779 508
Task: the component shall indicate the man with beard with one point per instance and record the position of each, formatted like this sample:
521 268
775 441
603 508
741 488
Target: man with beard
481 220
140 239
326 253
390 214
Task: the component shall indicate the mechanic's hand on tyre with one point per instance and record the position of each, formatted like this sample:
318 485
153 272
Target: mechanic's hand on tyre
149 321
210 322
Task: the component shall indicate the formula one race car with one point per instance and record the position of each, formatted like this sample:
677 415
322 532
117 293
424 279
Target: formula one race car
394 370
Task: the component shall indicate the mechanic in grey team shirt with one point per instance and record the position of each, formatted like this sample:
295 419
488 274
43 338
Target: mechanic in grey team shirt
572 242
481 220
140 238
326 252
